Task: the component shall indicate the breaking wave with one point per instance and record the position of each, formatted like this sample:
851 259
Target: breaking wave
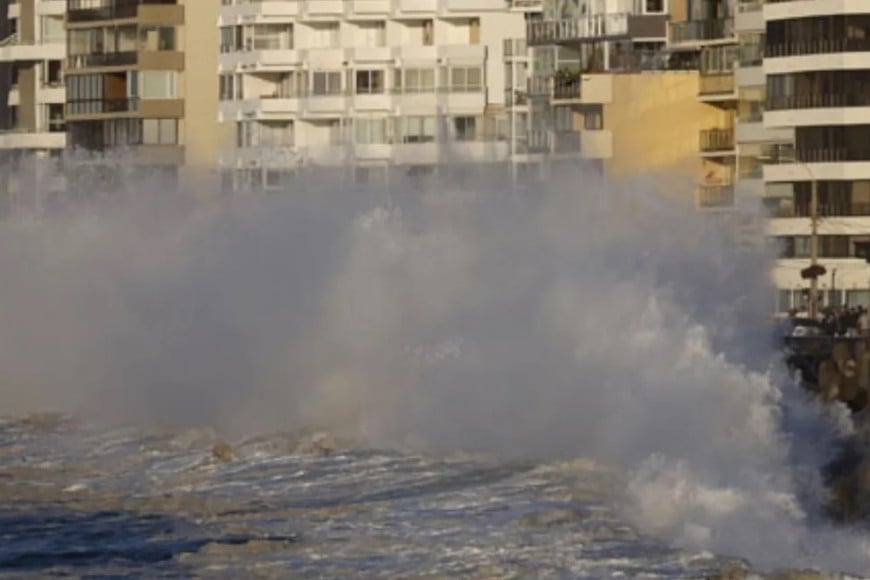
576 318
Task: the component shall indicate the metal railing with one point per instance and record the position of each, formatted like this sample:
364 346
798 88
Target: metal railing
101 106
566 89
824 210
102 59
588 27
832 154
816 46
819 100
716 139
86 10
700 30
715 196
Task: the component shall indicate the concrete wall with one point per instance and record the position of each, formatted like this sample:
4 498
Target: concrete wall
655 119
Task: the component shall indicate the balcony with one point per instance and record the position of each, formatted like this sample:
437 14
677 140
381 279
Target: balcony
819 100
701 31
94 10
19 139
525 5
589 28
566 142
716 85
90 107
105 59
716 140
566 89
11 49
715 196
814 46
824 210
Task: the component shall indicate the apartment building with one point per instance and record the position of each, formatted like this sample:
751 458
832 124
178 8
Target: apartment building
371 85
141 76
598 85
703 32
32 131
817 68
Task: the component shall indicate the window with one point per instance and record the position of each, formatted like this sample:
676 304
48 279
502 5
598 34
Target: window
370 131
428 33
466 79
52 29
275 134
225 90
563 118
371 34
416 80
369 82
326 83
324 35
418 129
464 128
154 85
50 70
157 38
159 131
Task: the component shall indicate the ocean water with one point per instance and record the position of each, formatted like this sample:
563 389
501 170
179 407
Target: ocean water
81 501
575 379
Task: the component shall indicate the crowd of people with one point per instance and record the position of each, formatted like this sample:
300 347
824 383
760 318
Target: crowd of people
840 320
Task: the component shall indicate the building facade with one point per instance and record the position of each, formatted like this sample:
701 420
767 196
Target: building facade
598 84
32 129
141 76
818 85
369 85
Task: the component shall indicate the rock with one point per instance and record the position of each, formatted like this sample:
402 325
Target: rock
223 452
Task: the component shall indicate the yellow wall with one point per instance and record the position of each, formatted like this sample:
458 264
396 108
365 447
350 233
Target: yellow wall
204 136
656 120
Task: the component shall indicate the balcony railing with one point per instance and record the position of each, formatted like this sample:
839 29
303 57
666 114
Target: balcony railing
101 106
715 196
566 142
717 139
86 10
701 30
819 100
817 46
832 154
588 27
566 89
717 84
103 59
824 210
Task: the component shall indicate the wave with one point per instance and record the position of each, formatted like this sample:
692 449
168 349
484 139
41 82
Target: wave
579 318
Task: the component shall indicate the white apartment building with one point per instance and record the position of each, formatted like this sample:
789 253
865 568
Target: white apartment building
368 84
817 68
32 49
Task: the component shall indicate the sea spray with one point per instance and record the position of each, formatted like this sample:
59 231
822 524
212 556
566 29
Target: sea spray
577 319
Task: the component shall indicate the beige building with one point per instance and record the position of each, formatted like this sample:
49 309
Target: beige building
597 85
32 131
142 75
702 31
375 86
